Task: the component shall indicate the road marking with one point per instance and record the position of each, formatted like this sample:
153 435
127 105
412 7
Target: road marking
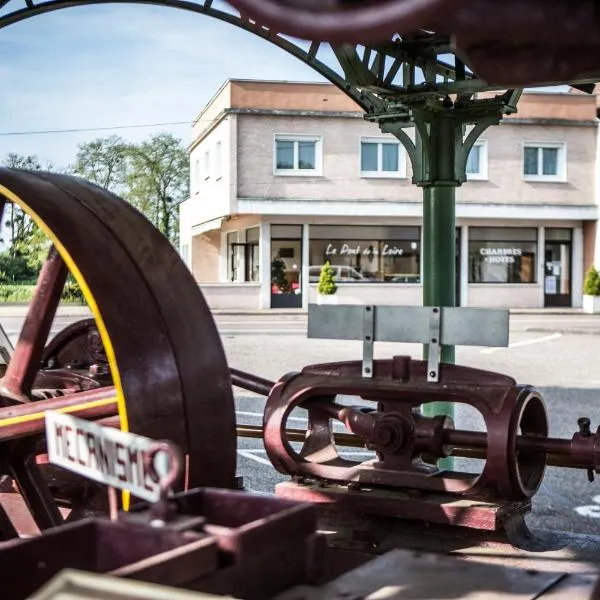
591 511
253 454
261 415
258 459
546 338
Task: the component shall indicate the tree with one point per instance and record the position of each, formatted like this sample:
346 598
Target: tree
327 285
27 242
278 273
103 161
158 181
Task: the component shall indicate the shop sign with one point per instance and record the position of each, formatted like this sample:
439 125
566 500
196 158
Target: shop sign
347 250
500 255
103 454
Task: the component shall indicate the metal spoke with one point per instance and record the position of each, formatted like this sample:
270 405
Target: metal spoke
20 374
36 493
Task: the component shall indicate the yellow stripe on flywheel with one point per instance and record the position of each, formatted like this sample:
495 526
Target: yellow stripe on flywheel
91 301
65 409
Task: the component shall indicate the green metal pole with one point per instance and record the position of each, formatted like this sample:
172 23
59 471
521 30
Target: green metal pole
439 234
439 266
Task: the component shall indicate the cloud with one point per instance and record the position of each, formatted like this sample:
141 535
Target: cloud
116 65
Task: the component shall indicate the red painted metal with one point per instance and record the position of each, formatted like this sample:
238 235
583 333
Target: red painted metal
408 444
512 43
20 374
218 541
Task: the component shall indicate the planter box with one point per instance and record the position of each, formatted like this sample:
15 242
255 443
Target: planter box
327 299
591 304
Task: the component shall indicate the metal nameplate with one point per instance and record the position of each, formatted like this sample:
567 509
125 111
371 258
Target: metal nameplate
104 454
411 324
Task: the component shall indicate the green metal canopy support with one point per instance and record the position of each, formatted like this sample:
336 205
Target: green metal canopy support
439 160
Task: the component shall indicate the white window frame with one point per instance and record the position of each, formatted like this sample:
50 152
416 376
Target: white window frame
561 176
295 172
483 162
399 174
197 174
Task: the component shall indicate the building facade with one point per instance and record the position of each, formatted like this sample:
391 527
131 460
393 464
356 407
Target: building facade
286 176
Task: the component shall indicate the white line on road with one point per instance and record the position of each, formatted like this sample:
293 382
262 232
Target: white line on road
261 415
253 454
546 338
254 457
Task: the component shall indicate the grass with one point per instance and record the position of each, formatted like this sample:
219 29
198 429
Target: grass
18 293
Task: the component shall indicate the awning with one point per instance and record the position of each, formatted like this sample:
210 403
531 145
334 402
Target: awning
207 226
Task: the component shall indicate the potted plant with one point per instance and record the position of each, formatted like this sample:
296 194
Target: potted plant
591 291
327 287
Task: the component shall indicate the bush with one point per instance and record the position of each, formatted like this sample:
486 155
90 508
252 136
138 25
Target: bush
591 286
327 284
72 292
16 292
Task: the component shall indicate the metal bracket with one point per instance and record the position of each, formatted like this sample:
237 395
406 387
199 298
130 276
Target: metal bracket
368 339
434 347
432 325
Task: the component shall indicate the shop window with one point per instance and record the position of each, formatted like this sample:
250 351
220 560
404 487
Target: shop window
544 162
297 155
244 255
356 260
477 161
502 255
381 158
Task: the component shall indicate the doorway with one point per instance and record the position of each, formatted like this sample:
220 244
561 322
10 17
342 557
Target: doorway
286 272
557 268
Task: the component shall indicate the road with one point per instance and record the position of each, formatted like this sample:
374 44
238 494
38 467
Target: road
543 352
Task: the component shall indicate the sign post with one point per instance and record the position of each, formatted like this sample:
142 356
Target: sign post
103 454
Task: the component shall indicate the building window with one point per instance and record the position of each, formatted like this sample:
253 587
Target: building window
298 155
381 158
207 164
218 160
184 253
369 254
502 255
477 167
196 175
243 255
544 162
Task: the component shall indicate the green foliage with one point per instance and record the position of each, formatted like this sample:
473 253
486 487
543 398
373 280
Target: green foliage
16 292
103 161
327 284
591 286
72 292
152 176
278 273
16 269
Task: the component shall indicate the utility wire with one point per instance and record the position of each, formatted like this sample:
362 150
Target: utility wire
41 132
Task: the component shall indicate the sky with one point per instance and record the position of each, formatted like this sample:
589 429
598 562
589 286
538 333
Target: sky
118 65
115 65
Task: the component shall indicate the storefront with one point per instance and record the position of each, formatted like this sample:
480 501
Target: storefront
509 266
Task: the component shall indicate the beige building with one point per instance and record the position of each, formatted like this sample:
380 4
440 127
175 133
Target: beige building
288 175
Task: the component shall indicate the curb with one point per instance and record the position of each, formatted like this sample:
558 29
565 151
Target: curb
563 330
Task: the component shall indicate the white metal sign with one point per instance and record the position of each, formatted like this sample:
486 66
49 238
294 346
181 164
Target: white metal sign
103 454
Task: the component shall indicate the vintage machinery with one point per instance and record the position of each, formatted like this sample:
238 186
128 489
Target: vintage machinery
151 362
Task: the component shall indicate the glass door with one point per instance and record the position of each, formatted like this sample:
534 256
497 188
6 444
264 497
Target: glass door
286 273
557 273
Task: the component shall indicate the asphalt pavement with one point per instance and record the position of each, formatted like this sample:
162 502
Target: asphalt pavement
554 352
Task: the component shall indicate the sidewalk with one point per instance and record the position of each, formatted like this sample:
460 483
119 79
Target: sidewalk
15 310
